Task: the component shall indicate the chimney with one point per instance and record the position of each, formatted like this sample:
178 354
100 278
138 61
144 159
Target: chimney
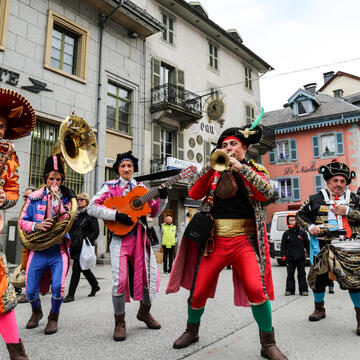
311 88
338 93
327 76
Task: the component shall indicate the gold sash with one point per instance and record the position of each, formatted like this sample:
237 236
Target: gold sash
234 227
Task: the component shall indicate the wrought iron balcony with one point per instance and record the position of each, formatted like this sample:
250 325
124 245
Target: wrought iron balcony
179 103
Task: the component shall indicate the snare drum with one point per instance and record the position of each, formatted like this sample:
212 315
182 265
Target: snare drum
347 246
344 261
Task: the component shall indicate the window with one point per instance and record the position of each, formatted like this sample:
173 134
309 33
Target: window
213 56
248 82
4 15
289 189
285 189
328 145
249 114
167 74
286 150
118 108
66 50
282 148
303 107
168 33
43 139
167 143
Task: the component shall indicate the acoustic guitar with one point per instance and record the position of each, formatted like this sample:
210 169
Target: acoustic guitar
135 203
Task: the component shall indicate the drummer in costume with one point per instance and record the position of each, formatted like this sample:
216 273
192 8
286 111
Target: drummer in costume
239 239
132 249
17 119
335 206
50 265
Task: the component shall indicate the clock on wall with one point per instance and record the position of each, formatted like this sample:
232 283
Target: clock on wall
215 109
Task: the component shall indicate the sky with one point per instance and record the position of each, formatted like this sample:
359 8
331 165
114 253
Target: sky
291 36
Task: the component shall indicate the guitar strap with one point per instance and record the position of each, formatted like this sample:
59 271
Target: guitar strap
150 231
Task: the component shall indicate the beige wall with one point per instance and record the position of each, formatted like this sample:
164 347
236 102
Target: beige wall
349 85
116 144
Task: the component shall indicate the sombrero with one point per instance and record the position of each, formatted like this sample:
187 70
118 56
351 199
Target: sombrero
18 112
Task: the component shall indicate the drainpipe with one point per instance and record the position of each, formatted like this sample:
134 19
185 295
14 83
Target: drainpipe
102 24
144 103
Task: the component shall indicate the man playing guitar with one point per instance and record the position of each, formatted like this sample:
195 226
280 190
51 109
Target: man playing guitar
132 248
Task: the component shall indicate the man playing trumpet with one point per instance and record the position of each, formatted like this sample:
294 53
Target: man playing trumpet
239 239
53 262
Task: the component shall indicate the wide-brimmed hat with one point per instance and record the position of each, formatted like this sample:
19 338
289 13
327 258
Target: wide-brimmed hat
244 134
127 156
18 112
337 168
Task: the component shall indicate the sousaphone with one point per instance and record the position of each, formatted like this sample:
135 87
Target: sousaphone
78 148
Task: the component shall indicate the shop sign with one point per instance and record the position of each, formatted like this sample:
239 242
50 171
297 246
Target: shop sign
304 169
174 163
12 78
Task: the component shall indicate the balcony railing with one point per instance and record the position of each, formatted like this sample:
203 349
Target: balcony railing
169 94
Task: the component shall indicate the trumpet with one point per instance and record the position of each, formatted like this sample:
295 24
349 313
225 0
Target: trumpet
220 160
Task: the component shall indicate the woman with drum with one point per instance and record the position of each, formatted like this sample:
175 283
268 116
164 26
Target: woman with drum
332 209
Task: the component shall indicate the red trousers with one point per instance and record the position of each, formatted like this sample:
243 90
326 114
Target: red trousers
239 253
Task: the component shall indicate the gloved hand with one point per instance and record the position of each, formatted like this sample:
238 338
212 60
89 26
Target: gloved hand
163 192
283 258
123 218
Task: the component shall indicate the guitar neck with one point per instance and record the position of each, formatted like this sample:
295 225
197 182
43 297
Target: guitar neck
155 192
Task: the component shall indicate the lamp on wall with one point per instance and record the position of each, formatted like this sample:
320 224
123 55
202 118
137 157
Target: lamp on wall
134 35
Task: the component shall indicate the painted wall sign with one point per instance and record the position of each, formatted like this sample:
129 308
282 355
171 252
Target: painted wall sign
207 128
11 76
288 170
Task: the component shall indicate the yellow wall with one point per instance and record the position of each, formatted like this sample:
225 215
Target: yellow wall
117 143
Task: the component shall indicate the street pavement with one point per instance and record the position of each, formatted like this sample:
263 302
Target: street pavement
226 333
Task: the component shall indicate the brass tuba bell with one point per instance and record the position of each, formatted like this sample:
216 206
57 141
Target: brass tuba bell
77 144
220 160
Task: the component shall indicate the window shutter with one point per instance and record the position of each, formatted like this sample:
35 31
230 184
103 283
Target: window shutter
156 142
272 157
316 146
155 64
318 182
295 184
293 150
339 143
207 152
180 147
180 78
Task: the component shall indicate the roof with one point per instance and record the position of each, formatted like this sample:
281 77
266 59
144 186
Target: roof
353 98
331 111
338 74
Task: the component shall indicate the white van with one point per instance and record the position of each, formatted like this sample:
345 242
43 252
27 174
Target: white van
278 227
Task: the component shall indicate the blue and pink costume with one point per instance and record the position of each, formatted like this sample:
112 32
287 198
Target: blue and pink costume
50 265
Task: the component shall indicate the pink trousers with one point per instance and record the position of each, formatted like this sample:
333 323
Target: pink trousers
8 328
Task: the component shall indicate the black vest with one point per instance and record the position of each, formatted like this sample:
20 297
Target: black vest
237 207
